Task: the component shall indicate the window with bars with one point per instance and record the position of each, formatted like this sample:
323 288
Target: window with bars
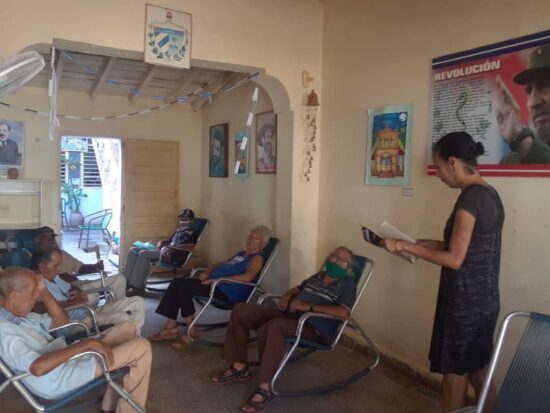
87 167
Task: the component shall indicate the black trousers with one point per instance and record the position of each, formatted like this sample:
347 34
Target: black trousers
179 297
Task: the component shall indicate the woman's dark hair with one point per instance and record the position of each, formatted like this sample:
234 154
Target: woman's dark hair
44 256
459 145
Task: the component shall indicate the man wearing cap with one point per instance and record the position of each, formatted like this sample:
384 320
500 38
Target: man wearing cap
44 237
138 260
528 146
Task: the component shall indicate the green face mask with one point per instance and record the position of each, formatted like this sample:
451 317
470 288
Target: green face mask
335 271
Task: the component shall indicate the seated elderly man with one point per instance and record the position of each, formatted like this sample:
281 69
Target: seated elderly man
331 291
48 263
44 237
138 260
26 345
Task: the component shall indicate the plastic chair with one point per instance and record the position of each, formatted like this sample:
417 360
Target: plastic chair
269 253
199 225
98 221
526 385
53 405
362 270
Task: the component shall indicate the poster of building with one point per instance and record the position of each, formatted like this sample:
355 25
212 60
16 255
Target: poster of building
389 145
500 95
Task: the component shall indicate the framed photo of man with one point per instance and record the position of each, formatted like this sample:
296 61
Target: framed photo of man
217 155
12 140
266 143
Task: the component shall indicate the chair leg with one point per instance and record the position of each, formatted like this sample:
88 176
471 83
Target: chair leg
87 236
80 238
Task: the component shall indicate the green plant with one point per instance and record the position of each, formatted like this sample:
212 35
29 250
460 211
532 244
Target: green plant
73 195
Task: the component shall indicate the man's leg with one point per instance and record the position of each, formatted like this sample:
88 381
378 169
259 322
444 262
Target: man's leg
116 283
136 354
271 346
119 334
125 309
141 268
244 318
131 257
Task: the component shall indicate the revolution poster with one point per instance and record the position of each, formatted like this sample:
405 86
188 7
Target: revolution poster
499 94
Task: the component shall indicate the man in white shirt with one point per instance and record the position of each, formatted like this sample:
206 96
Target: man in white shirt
26 345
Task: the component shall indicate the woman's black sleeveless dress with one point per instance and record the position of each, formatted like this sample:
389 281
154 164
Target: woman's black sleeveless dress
468 299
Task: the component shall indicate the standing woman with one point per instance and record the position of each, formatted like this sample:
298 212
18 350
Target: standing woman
468 298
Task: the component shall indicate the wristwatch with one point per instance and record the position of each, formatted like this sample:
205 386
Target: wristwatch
524 133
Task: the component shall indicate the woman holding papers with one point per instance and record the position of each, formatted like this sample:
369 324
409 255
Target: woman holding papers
468 298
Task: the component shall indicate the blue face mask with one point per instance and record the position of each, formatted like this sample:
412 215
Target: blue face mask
335 271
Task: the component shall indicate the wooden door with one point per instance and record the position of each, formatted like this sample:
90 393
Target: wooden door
150 190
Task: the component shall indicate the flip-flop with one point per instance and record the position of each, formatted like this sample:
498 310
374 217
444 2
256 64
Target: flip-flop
182 345
166 334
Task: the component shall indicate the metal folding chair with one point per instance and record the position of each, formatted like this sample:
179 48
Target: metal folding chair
362 272
526 385
199 225
17 379
269 253
98 221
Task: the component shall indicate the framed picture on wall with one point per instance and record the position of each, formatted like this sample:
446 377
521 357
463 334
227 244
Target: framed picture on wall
217 154
241 154
167 37
266 143
12 142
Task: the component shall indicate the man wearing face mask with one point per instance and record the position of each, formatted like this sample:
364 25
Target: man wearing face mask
138 260
330 291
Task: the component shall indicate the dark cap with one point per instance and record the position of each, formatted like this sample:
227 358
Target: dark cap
538 67
44 231
187 213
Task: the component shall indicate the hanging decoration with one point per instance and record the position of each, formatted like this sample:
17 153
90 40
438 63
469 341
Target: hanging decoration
310 138
242 140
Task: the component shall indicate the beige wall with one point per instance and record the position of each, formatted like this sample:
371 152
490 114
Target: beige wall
377 53
283 37
235 205
177 123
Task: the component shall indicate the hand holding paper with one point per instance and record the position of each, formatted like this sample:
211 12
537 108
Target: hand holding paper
387 233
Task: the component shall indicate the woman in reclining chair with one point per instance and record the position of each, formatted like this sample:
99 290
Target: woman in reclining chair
243 266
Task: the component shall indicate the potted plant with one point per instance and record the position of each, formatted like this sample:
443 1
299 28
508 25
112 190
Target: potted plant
73 195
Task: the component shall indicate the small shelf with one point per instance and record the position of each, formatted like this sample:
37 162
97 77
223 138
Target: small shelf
22 188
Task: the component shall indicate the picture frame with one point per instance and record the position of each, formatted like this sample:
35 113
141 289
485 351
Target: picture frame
167 37
218 151
266 143
12 144
389 145
241 154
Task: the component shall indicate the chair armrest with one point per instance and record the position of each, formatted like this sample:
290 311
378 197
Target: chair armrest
174 248
90 310
303 318
72 323
263 297
194 271
228 281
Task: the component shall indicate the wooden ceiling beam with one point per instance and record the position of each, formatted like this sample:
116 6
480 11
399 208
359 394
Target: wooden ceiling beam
102 75
183 84
224 79
147 76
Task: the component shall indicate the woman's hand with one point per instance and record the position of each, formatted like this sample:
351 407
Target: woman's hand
392 245
208 281
203 276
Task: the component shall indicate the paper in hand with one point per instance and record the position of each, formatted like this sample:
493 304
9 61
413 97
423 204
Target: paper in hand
372 237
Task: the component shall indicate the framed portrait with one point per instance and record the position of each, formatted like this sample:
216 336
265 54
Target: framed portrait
241 154
12 144
266 143
167 37
389 145
217 154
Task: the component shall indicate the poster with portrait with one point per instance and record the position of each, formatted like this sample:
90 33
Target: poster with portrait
241 154
499 94
217 154
167 37
389 145
12 144
266 143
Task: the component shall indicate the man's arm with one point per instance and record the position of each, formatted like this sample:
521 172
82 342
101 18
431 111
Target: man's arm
336 310
49 361
55 310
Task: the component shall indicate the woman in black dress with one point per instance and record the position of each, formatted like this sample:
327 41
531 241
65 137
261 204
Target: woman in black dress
468 298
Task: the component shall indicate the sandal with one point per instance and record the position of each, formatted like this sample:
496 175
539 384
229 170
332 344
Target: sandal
184 341
232 376
165 334
251 406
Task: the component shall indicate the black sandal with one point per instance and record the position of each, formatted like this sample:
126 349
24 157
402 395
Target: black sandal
267 398
234 375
